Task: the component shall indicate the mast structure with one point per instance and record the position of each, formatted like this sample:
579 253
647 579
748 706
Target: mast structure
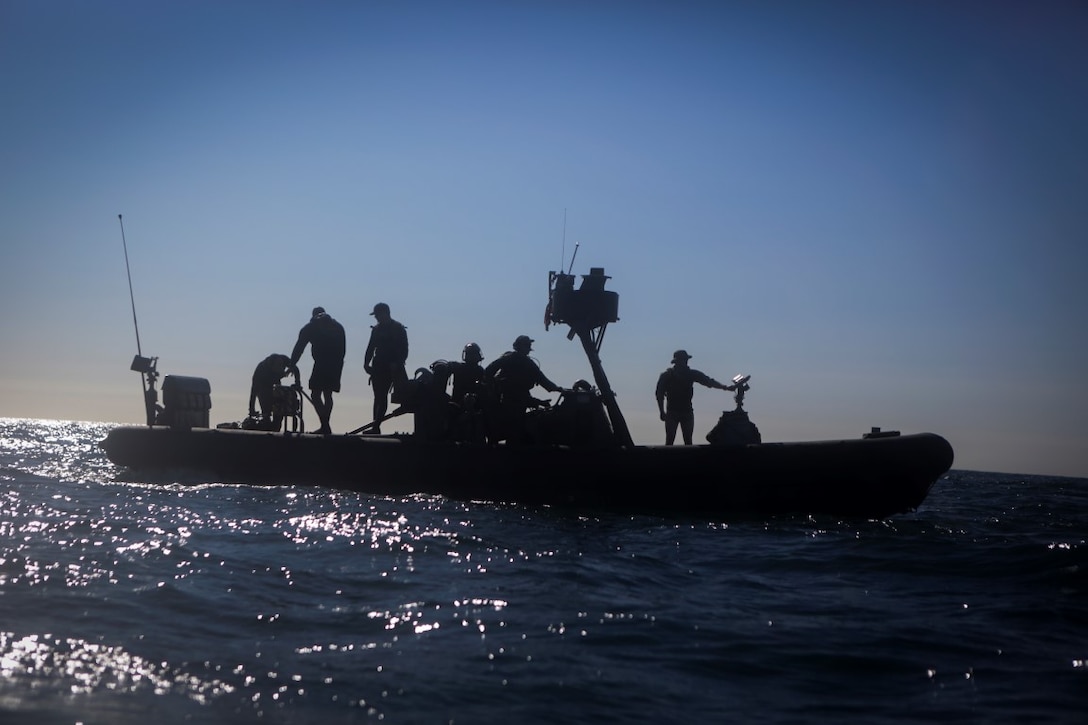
587 311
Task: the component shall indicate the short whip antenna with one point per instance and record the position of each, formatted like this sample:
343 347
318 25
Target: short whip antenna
563 252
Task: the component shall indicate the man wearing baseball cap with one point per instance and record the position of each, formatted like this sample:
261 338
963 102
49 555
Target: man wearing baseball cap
384 360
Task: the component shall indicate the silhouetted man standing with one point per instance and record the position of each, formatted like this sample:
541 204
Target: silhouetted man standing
676 386
327 342
384 360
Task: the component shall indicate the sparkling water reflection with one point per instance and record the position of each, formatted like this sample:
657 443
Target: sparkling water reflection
123 601
44 662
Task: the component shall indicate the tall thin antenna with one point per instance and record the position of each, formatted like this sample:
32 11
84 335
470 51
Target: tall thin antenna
145 366
563 256
131 297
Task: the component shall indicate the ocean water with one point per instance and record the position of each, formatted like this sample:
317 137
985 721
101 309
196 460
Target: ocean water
128 600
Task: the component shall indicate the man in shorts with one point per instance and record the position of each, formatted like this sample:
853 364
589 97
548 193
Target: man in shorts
327 342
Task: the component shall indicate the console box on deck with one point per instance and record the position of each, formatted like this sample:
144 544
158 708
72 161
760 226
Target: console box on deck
186 402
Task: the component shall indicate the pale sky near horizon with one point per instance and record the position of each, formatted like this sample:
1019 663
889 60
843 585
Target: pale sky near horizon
878 210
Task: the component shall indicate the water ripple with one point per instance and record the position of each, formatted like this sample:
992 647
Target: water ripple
129 600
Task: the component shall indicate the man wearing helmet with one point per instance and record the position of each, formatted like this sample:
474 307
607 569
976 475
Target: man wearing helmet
467 399
677 386
467 374
514 375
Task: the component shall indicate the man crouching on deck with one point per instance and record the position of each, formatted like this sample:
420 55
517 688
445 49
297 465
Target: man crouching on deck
266 376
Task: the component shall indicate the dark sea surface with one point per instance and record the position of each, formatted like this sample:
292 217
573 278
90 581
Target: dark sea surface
136 601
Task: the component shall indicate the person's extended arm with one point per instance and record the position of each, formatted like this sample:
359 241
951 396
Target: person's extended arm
369 353
541 379
303 338
659 393
704 379
402 344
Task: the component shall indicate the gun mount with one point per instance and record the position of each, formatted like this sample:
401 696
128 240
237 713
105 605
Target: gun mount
740 386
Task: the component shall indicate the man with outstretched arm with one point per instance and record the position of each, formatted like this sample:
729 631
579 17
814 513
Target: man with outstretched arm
675 389
514 375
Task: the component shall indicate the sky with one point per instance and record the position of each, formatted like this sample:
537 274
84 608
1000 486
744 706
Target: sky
877 210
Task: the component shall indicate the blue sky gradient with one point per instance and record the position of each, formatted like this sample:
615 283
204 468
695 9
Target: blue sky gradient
878 210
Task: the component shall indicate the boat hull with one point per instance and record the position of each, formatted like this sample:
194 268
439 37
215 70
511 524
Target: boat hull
874 477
